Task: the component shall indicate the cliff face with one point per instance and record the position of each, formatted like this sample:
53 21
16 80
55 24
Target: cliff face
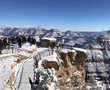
68 68
98 63
71 73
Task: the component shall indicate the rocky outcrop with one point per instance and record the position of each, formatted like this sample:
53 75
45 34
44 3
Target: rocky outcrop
71 74
48 42
51 64
68 68
68 56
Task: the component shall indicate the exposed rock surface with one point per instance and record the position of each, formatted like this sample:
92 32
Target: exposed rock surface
64 72
98 63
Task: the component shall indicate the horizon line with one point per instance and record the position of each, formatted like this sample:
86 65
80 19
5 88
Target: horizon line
76 28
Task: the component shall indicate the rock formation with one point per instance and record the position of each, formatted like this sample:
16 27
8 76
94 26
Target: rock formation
63 70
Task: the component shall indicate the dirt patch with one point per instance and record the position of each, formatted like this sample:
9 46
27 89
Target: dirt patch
11 80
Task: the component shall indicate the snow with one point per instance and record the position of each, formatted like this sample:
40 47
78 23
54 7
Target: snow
51 58
42 49
96 54
25 48
37 38
71 43
26 73
66 50
40 64
96 46
7 60
27 66
88 87
51 86
80 49
28 47
24 53
77 73
6 51
47 38
16 68
5 55
47 74
96 85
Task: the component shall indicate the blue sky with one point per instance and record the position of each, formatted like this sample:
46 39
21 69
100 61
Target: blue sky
81 15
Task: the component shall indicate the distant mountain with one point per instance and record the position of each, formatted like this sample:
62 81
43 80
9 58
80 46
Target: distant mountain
70 37
98 62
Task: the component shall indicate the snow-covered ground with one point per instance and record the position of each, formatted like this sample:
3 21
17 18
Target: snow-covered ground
6 61
9 65
25 69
